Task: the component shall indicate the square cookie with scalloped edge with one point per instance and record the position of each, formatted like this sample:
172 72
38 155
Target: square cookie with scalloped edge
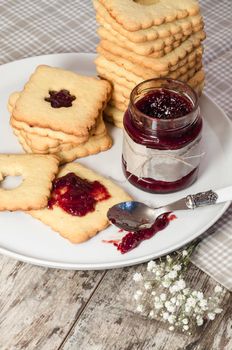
78 229
61 100
134 15
37 172
152 33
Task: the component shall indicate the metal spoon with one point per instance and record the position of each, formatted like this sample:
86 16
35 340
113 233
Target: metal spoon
134 216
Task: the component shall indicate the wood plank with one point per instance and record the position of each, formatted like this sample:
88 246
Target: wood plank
109 320
38 306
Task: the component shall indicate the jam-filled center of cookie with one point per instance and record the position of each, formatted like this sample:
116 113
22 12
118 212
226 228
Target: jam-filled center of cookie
164 104
59 99
75 195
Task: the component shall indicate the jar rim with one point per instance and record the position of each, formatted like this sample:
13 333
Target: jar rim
168 80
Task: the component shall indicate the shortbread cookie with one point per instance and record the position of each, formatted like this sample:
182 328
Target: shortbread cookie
60 136
44 144
56 136
139 70
197 81
147 48
119 93
193 77
142 14
78 229
33 147
94 145
190 71
80 100
153 33
184 53
150 47
114 115
135 74
37 174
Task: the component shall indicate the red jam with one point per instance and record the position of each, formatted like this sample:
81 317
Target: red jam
61 98
150 185
132 239
75 195
164 104
162 135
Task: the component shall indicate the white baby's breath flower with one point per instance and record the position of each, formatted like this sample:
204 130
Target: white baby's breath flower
185 321
211 316
187 308
167 303
140 308
137 277
173 300
165 315
200 321
218 289
177 267
218 310
166 284
171 308
163 296
203 304
151 266
172 275
200 295
191 301
158 305
184 253
171 319
171 328
180 297
173 289
181 284
147 285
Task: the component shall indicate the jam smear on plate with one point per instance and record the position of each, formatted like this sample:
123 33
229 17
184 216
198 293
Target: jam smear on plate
164 104
75 195
132 239
61 98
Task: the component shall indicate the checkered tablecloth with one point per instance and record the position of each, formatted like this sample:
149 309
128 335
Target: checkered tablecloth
35 27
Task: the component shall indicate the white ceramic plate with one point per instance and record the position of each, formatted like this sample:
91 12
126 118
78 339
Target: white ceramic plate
24 238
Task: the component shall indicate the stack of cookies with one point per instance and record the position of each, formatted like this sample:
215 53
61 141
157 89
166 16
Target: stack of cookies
146 39
60 112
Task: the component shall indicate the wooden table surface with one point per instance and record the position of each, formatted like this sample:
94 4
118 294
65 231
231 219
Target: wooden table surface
50 309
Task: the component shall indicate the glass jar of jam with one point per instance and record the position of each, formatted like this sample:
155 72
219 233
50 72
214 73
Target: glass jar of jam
162 136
